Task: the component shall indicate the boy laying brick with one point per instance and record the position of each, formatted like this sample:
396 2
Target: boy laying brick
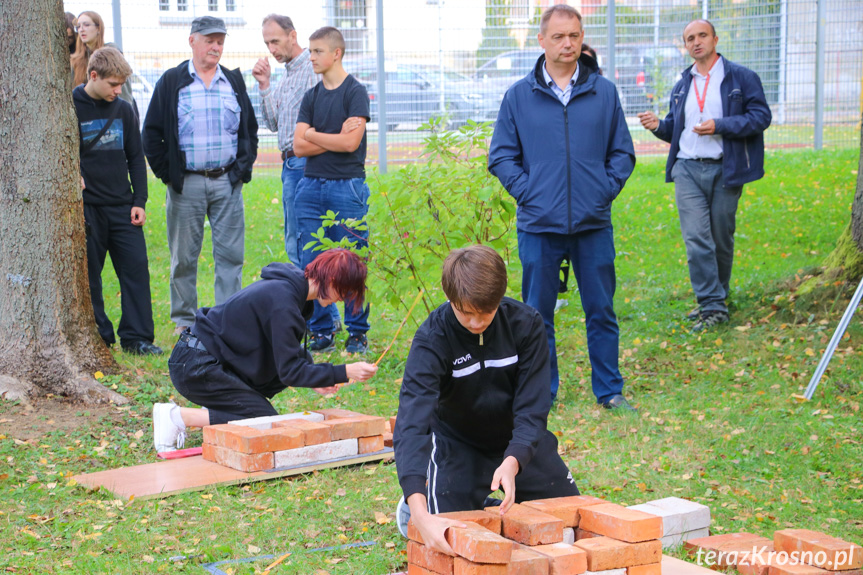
474 402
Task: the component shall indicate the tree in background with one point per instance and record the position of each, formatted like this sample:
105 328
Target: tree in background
48 337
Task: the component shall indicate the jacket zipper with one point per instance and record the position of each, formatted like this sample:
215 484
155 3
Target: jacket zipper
746 150
568 176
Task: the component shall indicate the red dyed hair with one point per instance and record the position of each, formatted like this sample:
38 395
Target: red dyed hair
341 270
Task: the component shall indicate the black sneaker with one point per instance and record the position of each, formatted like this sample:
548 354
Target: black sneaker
357 343
142 347
710 319
695 314
618 403
320 342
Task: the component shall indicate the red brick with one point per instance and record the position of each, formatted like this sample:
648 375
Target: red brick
490 521
430 559
585 534
526 561
836 554
563 559
649 569
462 566
388 439
250 440
417 570
336 413
314 433
530 526
756 564
797 570
392 423
371 444
478 544
355 427
236 460
728 550
565 508
620 523
605 553
414 533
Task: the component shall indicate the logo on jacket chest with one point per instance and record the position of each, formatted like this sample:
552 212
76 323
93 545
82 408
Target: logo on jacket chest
463 359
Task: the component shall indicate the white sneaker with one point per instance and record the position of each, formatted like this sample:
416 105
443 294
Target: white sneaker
403 515
168 435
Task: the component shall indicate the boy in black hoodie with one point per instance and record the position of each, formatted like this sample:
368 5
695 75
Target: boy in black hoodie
474 402
111 154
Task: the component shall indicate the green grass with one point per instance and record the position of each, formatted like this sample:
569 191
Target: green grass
717 423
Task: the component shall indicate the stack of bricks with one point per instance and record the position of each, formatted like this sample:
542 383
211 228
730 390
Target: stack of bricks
536 538
620 541
682 520
790 552
280 441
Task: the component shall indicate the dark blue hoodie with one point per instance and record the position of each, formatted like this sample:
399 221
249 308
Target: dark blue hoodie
564 165
258 333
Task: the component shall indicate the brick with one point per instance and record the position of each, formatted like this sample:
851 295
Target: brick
720 551
569 535
605 553
526 561
336 413
649 569
316 453
678 515
478 544
490 521
417 570
388 439
584 534
819 549
529 526
314 432
430 559
563 559
757 563
796 570
371 444
564 508
267 421
624 524
670 541
355 427
462 566
248 462
251 440
392 422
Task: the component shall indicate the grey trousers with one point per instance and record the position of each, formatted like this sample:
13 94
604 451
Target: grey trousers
222 204
707 213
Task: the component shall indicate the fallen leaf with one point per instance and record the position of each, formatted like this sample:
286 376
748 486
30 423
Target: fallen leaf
98 375
381 519
340 492
147 558
253 549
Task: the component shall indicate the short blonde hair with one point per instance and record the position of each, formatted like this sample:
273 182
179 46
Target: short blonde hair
109 62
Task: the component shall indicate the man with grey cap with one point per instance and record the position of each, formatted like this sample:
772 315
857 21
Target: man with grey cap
201 139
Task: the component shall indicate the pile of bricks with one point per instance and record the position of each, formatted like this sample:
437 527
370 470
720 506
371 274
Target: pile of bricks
682 520
280 441
790 552
542 538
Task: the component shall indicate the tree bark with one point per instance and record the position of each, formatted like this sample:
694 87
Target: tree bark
857 206
48 338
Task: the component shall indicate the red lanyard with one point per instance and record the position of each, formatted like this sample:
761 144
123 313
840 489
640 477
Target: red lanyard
700 100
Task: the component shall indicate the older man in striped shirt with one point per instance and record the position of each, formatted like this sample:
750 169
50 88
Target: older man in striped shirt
201 139
280 104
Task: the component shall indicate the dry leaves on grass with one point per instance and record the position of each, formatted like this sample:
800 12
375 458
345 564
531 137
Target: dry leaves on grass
381 519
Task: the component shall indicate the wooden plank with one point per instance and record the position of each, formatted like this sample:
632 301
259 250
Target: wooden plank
175 476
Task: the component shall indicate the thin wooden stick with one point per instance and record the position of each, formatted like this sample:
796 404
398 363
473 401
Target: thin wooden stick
275 563
404 321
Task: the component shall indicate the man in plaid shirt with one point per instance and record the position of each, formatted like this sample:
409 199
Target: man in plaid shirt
280 104
201 139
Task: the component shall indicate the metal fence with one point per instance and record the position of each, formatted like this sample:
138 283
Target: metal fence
456 58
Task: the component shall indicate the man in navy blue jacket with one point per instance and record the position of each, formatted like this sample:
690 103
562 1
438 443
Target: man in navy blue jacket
716 128
561 148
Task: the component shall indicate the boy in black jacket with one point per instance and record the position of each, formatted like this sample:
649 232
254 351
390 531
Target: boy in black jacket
474 401
111 154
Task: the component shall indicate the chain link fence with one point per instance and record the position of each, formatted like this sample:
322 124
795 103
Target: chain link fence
454 59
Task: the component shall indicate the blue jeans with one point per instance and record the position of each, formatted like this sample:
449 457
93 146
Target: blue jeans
292 173
708 214
350 198
591 256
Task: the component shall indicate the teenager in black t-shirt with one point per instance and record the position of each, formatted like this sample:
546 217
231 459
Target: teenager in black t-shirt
331 133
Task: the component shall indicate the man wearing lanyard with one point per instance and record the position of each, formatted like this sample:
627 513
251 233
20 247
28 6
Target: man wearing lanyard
201 139
279 107
716 131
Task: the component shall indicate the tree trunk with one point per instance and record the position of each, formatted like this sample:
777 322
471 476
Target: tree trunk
857 206
48 337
